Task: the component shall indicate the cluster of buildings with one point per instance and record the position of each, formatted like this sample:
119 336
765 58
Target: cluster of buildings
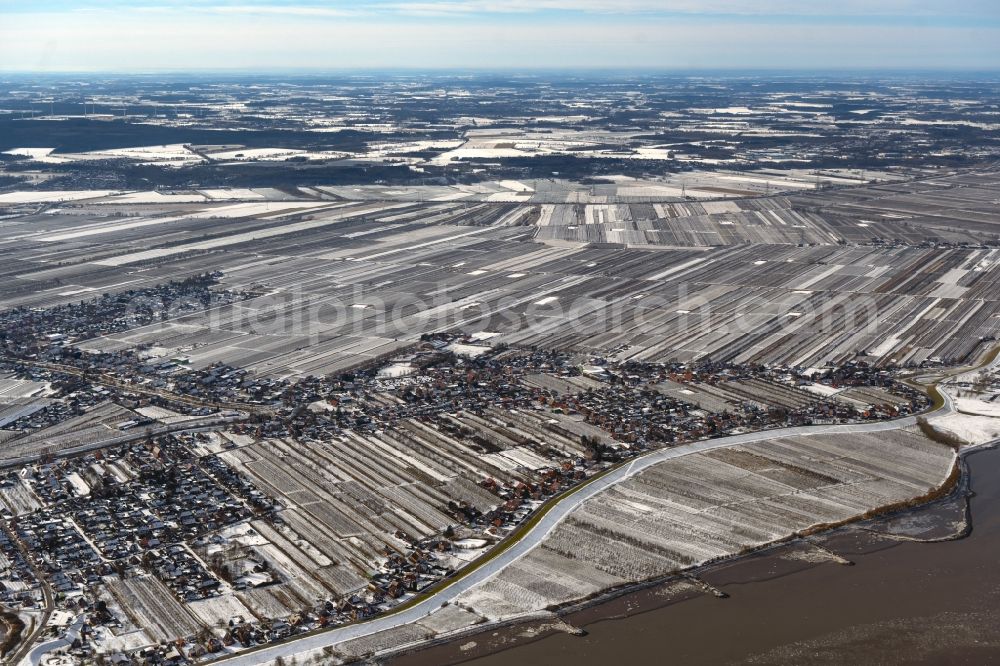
60 549
42 411
127 509
43 331
155 508
19 587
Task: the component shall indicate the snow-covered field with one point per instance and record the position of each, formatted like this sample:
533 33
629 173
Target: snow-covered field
255 154
38 155
237 210
174 153
217 611
821 389
155 197
981 407
972 429
703 506
232 193
103 228
52 196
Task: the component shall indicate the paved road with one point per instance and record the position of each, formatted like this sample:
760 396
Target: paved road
35 656
539 531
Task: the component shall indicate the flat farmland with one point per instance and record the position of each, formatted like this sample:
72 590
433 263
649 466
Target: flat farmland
151 606
705 506
795 279
344 501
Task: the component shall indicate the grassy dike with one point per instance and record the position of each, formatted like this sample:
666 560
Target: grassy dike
509 540
954 475
937 399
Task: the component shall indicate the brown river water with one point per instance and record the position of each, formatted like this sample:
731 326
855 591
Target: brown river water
905 600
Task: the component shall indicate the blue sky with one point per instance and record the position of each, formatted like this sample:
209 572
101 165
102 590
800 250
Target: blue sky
146 35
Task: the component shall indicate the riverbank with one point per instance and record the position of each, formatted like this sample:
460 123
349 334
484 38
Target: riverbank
919 572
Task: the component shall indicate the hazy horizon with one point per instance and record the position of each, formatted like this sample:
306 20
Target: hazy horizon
524 71
675 35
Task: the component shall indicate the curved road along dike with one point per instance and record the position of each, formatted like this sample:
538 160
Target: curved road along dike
36 654
554 514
